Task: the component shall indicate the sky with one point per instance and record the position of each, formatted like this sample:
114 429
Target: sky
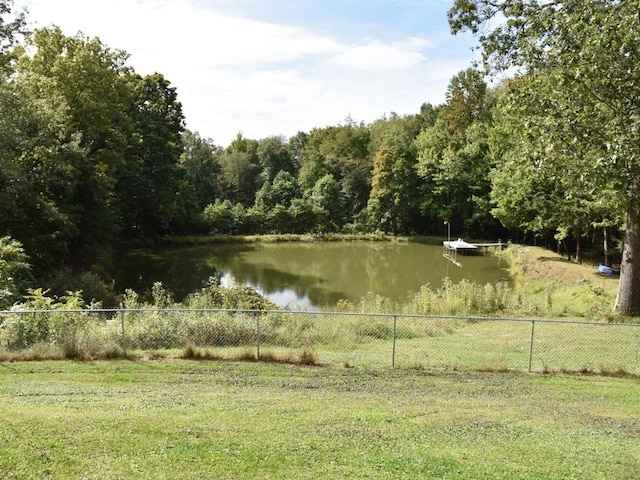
277 67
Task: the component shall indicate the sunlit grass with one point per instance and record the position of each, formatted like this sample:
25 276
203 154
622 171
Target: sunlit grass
207 419
340 339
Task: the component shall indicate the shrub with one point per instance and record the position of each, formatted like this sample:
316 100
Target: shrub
15 272
93 289
62 323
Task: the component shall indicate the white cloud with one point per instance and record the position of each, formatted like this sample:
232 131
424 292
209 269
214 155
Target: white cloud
237 74
377 56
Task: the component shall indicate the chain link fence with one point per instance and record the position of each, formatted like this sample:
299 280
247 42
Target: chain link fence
336 339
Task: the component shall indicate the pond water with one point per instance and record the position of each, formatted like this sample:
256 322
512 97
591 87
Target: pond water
305 275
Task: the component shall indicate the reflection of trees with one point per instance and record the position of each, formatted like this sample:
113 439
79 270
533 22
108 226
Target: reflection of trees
323 272
306 271
182 270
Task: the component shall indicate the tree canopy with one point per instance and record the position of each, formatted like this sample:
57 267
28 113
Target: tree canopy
583 61
93 154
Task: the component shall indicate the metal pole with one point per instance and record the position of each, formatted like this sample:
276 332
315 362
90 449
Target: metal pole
258 336
393 353
533 327
124 339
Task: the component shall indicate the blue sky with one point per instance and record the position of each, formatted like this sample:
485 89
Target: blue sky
276 67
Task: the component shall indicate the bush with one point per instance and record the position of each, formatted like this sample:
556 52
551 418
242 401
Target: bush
62 323
93 289
15 272
240 297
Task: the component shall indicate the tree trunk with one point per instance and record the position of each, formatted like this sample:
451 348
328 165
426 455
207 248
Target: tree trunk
606 246
628 300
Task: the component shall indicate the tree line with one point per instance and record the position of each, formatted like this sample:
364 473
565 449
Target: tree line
94 154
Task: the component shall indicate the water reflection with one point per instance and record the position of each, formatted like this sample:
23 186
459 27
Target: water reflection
306 275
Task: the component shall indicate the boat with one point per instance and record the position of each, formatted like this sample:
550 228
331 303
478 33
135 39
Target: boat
604 269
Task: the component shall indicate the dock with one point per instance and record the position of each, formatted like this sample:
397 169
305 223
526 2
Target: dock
451 249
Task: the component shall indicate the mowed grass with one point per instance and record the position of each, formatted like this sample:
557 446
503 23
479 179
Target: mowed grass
209 419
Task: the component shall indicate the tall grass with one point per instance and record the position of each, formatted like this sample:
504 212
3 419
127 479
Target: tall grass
544 285
250 323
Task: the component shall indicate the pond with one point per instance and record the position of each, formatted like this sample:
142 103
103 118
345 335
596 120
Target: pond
305 275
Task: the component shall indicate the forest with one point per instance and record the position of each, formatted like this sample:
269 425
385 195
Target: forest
94 155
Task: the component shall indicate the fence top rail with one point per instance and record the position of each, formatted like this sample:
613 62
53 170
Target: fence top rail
317 313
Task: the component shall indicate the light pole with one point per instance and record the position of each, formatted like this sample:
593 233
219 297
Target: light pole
446 222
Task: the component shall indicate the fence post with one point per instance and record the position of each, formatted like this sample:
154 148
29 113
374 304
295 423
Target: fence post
393 352
123 344
533 327
257 336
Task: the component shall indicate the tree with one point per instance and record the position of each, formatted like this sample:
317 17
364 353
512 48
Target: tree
296 146
304 216
274 156
11 31
89 82
38 176
534 183
326 196
453 156
240 171
282 191
591 48
200 170
148 183
222 217
393 204
342 151
36 147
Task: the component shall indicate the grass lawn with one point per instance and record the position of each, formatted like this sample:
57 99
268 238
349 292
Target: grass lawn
189 419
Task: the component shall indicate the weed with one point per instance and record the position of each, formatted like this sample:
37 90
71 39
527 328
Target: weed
157 355
308 357
114 352
246 355
191 352
614 371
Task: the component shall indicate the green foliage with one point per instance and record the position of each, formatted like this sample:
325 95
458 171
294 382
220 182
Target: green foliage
327 197
151 328
91 287
11 30
37 174
275 157
93 153
540 185
453 156
147 185
24 330
236 297
343 152
91 81
224 217
15 272
281 191
200 171
584 60
393 204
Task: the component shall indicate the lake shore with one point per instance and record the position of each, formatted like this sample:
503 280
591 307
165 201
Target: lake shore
544 284
308 237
